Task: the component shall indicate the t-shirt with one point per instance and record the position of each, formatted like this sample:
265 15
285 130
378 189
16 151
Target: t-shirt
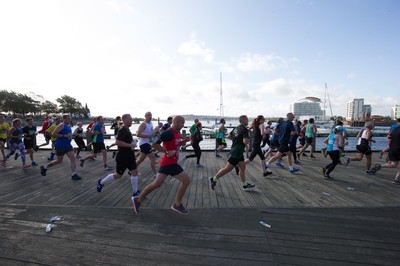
50 130
172 140
98 138
395 138
238 134
4 127
284 130
30 132
125 135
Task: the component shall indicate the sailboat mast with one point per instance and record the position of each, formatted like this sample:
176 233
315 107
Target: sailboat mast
221 103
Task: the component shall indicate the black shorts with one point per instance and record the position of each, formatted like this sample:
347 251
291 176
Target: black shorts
63 150
283 147
221 142
394 154
3 140
125 160
364 149
302 141
29 144
309 140
98 147
145 148
235 161
172 169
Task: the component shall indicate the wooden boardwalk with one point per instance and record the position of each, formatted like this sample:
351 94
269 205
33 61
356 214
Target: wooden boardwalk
352 220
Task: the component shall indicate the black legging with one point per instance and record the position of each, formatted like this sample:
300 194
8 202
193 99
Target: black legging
335 157
292 148
197 152
256 151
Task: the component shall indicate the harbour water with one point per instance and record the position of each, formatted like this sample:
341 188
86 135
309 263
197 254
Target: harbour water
209 143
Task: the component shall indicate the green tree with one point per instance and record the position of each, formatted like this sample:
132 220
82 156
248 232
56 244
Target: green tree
69 105
48 107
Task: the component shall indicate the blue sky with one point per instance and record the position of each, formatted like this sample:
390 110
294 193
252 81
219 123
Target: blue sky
166 56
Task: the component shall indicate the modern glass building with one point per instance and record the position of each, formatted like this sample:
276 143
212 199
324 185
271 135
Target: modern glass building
307 108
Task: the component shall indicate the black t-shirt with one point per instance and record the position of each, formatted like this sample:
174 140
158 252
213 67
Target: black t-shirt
125 135
395 138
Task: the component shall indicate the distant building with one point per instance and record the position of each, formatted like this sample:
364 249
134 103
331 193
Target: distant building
307 108
395 112
357 110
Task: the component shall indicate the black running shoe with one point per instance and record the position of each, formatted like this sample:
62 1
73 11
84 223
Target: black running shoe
99 185
267 173
43 170
75 177
212 183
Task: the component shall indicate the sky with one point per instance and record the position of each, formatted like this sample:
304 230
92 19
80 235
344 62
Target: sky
170 56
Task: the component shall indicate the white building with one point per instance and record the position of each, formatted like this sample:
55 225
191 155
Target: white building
395 112
356 109
307 108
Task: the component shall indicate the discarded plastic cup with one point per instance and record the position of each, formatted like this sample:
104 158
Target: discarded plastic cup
326 193
49 227
350 188
265 224
55 219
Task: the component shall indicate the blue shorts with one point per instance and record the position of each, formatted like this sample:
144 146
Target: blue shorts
172 169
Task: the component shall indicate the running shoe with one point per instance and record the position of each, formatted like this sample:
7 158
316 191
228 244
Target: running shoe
380 155
180 209
323 170
107 168
294 170
312 156
43 170
267 173
377 167
248 187
81 162
297 162
370 171
280 165
136 204
396 182
199 165
16 156
36 148
99 186
34 163
212 183
347 161
328 177
75 177
136 194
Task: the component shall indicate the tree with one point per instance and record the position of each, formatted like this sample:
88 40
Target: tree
69 105
48 107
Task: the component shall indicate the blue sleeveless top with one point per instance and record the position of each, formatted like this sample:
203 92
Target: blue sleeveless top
63 142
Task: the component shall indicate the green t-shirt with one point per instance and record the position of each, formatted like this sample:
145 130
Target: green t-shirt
238 134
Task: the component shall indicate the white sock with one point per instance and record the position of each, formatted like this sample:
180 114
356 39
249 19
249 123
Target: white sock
291 167
134 181
107 179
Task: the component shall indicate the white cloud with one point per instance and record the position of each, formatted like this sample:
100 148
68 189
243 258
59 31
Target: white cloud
196 48
260 62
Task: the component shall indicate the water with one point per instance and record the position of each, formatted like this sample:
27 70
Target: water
209 144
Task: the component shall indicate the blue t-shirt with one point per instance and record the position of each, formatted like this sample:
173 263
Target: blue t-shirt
392 127
284 129
98 138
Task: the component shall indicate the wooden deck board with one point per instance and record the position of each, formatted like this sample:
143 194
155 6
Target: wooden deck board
346 227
